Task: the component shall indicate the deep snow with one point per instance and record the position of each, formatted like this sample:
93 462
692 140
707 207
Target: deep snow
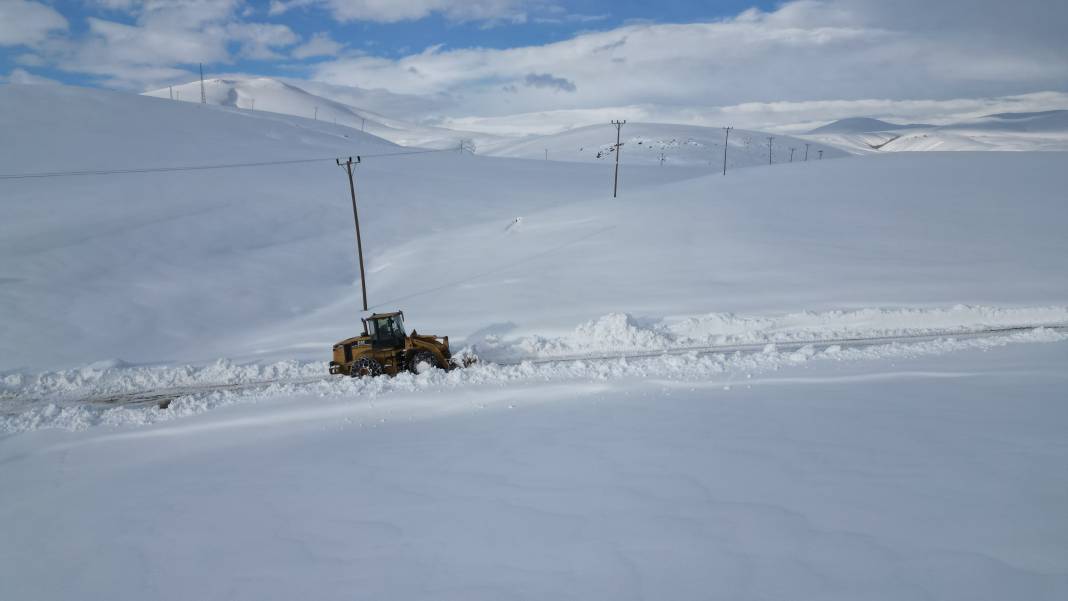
922 469
933 477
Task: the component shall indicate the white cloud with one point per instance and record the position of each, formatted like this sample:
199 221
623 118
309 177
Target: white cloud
27 23
320 44
391 11
803 51
22 76
259 40
165 35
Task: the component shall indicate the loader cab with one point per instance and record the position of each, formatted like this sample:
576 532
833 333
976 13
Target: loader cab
386 330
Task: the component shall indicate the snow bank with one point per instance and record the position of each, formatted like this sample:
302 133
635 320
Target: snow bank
20 412
623 332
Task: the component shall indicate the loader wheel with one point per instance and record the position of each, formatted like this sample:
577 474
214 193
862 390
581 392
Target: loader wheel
421 357
365 367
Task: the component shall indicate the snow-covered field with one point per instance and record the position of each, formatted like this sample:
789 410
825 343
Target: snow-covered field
888 424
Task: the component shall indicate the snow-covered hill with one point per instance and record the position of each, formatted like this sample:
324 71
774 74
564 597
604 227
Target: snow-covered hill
798 468
195 265
653 143
272 95
862 125
1043 131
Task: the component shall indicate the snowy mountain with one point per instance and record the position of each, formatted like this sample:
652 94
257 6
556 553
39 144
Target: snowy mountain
272 95
862 125
648 143
1045 131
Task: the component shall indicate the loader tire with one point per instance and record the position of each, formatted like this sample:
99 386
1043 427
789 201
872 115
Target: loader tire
421 357
365 367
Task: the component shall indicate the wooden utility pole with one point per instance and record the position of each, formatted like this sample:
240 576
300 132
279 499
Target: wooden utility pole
806 153
171 89
316 116
546 154
203 96
619 145
792 154
771 139
726 139
348 165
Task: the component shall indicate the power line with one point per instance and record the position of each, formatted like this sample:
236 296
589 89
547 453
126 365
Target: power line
46 174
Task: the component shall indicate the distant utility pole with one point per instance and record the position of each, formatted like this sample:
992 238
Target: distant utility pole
661 159
363 122
806 153
171 90
348 165
252 104
771 140
791 154
821 155
203 96
619 145
316 116
726 138
546 154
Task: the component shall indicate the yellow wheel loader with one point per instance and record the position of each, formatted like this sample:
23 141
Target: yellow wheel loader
385 348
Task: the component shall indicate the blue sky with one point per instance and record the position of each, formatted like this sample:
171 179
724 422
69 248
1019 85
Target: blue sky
551 63
544 23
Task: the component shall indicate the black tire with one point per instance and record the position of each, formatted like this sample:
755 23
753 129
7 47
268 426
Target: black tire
421 357
365 367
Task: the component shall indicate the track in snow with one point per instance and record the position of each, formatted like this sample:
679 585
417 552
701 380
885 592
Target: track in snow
162 397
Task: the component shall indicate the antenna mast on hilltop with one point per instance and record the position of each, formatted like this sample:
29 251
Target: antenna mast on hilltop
203 97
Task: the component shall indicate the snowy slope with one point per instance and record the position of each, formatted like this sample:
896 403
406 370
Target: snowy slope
146 267
266 94
647 143
258 263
